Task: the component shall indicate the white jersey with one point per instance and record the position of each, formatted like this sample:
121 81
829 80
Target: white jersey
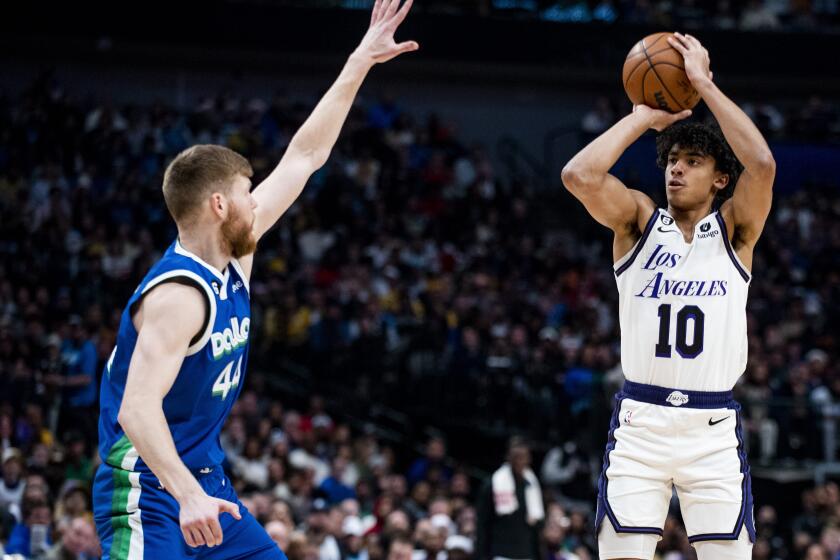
683 307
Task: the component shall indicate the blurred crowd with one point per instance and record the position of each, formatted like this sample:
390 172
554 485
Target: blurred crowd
410 275
749 15
815 120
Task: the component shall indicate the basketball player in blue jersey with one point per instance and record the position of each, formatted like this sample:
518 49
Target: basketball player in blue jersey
182 346
683 274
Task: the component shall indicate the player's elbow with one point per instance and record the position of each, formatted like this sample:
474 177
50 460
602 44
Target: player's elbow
313 157
131 414
126 417
318 158
576 178
765 164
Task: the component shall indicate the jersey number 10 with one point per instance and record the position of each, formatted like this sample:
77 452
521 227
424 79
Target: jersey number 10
685 348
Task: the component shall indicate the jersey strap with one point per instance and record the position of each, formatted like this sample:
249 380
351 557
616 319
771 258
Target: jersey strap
725 234
192 279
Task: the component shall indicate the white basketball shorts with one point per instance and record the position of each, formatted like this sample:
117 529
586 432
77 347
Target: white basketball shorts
662 438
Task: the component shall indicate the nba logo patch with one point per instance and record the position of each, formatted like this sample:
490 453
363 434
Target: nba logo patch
627 416
705 227
667 220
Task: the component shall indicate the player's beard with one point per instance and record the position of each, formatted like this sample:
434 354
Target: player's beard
238 235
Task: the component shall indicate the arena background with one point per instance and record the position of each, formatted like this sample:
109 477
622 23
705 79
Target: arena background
434 280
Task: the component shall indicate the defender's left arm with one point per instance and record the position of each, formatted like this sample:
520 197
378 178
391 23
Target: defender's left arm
747 210
311 145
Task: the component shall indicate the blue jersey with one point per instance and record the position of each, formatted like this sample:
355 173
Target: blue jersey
210 376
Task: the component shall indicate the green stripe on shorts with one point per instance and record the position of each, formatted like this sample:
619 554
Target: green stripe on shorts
119 514
118 452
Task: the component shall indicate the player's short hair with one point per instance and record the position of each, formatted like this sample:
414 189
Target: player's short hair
197 172
707 140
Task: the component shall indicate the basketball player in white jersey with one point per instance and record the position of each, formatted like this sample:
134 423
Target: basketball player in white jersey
683 274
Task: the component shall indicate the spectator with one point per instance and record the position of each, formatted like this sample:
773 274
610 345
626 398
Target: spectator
31 537
510 508
279 533
335 490
400 549
459 547
79 466
79 384
431 467
317 531
78 542
12 485
352 540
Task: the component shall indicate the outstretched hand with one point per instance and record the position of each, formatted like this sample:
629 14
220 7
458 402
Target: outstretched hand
378 44
658 119
696 58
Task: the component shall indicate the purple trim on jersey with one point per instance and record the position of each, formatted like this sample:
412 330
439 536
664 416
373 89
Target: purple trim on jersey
603 507
640 244
745 516
744 274
653 394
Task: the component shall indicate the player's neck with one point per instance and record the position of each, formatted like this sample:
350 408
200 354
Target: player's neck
206 245
687 219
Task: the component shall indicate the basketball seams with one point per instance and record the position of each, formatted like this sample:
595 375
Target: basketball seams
644 81
630 75
646 47
633 71
654 53
674 66
658 77
671 64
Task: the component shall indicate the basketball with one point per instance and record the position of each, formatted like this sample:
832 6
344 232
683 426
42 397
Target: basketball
654 75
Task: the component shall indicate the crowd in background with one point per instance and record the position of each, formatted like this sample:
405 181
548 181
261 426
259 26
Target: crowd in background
815 120
749 15
409 274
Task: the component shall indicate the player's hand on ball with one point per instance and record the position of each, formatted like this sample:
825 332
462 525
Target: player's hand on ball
657 119
199 519
696 58
378 44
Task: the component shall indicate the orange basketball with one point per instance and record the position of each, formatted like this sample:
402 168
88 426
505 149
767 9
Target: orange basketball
654 75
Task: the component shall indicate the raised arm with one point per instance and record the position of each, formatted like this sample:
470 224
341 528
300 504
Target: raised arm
607 199
747 210
168 317
312 144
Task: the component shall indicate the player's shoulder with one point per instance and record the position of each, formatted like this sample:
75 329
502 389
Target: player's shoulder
175 306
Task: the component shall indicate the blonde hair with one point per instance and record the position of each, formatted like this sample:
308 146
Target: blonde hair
197 172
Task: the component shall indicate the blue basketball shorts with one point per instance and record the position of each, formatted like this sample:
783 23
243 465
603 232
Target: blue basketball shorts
137 520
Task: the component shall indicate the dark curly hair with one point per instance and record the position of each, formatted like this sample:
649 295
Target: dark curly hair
706 139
